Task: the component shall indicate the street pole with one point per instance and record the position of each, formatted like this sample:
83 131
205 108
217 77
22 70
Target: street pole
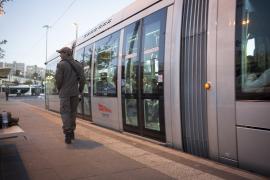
76 31
47 30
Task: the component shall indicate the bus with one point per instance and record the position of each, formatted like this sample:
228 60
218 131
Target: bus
33 90
194 74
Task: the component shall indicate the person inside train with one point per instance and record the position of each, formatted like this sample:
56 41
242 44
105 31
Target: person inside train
257 80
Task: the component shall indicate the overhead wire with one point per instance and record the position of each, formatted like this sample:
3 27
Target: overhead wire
53 24
62 15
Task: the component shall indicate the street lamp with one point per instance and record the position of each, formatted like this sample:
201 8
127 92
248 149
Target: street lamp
47 30
76 31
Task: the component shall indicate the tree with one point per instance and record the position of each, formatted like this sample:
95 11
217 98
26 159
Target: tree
28 82
2 51
2 6
35 75
16 82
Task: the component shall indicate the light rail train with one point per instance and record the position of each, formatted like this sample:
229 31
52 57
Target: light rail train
194 74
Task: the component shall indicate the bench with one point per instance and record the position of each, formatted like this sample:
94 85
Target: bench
11 132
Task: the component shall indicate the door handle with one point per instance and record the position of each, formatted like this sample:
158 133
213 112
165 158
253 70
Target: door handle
207 85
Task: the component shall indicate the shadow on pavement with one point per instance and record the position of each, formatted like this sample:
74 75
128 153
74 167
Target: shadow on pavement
84 144
12 166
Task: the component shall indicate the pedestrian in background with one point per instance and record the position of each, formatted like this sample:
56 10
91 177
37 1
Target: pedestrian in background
7 93
69 82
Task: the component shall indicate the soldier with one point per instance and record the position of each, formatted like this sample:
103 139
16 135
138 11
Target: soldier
69 82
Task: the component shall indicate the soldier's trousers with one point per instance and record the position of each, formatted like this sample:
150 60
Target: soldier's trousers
68 111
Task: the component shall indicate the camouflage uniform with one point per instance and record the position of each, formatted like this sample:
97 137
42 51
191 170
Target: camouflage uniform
69 88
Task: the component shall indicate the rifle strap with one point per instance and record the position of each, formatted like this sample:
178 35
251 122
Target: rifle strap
74 69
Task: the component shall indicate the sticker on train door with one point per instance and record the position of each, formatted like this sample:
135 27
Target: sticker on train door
103 108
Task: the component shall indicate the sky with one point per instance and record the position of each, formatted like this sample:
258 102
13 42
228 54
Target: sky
23 21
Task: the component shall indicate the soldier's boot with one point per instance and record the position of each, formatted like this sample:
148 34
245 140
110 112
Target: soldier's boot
68 138
72 135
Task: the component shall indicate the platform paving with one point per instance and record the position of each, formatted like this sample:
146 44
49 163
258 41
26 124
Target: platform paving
96 153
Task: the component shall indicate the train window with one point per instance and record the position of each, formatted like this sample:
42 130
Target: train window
130 69
130 61
88 54
151 109
253 50
105 75
152 59
80 55
151 50
131 112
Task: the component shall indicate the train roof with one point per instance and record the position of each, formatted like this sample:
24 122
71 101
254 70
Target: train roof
132 9
124 14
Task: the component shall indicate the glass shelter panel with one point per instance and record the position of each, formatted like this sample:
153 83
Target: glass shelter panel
253 50
105 75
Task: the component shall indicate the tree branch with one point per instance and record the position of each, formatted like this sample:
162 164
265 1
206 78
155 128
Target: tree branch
2 6
2 51
3 42
3 1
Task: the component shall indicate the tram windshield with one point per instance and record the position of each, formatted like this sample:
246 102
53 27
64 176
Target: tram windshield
253 50
50 78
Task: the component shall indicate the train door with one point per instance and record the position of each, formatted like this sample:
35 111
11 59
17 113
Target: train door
142 76
193 77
